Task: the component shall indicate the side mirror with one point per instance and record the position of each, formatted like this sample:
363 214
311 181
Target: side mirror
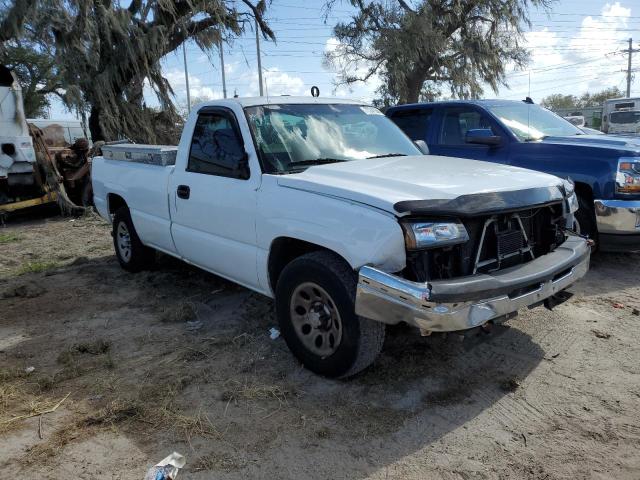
422 146
482 136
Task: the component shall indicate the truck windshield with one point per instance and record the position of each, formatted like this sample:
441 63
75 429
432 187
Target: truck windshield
292 137
625 117
532 122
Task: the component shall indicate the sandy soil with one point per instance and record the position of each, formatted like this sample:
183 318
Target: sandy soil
177 359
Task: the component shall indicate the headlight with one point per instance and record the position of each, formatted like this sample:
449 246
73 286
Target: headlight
429 234
628 175
569 187
571 197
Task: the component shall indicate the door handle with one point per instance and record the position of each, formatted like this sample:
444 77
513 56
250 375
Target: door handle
183 191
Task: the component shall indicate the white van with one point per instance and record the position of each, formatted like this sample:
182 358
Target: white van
621 116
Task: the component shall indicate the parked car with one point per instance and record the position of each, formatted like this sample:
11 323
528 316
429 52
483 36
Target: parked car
605 169
326 206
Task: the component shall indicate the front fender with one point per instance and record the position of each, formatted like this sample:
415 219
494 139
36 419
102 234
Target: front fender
360 234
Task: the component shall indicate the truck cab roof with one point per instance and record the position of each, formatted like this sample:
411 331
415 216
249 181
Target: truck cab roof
277 100
481 103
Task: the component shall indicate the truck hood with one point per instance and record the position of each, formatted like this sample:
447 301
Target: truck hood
385 182
599 141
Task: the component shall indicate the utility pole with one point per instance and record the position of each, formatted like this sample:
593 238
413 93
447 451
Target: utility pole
259 60
630 51
186 77
224 81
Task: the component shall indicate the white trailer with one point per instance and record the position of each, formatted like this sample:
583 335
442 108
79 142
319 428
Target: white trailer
621 116
17 156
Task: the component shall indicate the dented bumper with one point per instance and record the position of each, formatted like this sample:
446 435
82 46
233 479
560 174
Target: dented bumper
467 302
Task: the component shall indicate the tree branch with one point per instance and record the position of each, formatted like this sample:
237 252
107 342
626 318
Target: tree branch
406 7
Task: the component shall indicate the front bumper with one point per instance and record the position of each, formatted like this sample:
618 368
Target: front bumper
618 224
467 302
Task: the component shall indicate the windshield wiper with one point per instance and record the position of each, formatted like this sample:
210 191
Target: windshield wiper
388 155
317 161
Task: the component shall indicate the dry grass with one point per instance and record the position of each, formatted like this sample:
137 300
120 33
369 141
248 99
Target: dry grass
213 461
180 313
245 391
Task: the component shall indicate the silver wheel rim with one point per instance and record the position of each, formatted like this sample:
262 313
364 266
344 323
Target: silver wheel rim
123 241
315 319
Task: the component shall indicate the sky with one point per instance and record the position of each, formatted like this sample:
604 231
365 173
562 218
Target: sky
575 48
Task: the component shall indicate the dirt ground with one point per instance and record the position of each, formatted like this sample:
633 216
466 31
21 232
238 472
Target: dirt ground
176 359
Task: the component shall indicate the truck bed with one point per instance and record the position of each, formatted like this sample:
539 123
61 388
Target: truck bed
143 186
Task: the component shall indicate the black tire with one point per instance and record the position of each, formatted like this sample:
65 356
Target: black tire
360 340
586 219
136 257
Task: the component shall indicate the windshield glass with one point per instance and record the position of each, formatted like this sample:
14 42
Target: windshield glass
532 122
625 117
291 138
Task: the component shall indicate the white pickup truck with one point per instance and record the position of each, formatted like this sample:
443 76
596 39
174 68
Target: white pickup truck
326 206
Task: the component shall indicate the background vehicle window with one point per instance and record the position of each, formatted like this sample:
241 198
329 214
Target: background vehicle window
457 121
414 123
215 147
532 122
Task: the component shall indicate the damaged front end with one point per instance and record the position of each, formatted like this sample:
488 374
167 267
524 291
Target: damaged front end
478 258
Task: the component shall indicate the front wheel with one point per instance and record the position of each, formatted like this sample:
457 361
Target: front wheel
132 255
315 305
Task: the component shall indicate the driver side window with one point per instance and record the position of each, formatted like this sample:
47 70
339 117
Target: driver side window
457 121
216 148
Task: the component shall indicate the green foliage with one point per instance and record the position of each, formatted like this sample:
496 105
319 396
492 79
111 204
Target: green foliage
418 50
36 73
9 238
37 267
560 101
105 53
598 98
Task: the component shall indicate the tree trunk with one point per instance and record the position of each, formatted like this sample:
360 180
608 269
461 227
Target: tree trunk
414 86
94 124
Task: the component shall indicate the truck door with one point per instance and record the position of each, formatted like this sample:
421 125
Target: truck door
449 137
212 198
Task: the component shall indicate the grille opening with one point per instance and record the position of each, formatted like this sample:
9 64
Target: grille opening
509 240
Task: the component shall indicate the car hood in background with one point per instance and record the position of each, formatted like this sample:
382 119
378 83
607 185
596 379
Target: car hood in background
603 141
385 182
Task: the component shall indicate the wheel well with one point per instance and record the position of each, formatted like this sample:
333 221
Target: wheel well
583 190
115 202
283 251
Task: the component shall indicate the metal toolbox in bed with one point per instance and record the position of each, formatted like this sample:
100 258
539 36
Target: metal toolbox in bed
162 155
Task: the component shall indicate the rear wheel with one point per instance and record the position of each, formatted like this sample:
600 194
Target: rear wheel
315 305
132 255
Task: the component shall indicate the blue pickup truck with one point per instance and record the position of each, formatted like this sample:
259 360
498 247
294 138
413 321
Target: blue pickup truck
605 169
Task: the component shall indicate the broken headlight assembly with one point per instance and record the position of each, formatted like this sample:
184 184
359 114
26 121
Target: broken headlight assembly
628 175
431 233
570 195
